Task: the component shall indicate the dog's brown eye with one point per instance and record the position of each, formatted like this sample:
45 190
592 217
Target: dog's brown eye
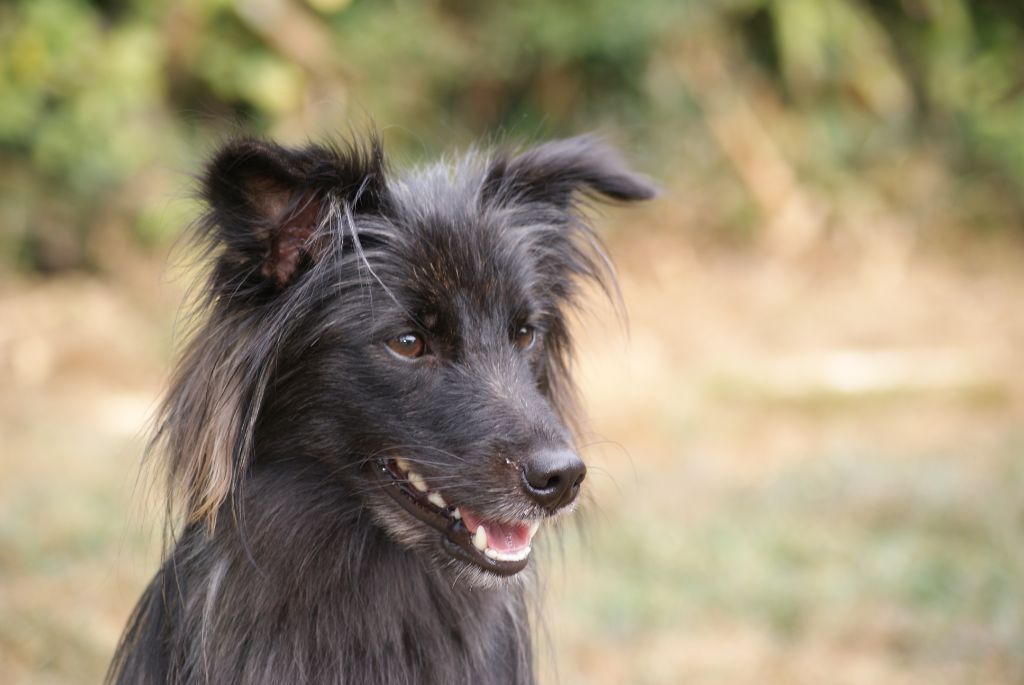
525 337
408 345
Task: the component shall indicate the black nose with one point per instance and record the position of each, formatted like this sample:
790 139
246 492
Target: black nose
552 477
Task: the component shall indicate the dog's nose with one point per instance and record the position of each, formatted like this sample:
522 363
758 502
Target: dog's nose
552 477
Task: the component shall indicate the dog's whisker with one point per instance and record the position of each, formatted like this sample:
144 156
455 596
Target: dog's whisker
594 469
404 450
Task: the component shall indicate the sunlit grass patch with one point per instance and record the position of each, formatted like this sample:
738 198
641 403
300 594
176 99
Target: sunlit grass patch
835 542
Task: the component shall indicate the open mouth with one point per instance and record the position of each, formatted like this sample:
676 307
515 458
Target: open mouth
500 547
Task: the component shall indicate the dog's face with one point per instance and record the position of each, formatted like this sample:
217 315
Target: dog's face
416 331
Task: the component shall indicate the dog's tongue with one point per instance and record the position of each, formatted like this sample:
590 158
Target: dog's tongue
501 537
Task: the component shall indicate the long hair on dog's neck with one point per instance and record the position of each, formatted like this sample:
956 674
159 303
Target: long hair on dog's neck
205 425
288 418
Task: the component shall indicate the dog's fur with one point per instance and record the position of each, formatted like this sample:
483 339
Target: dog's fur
292 566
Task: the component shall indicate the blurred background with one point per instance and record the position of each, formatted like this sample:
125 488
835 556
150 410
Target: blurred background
806 447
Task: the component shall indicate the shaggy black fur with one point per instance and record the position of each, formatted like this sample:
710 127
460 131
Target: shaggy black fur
357 326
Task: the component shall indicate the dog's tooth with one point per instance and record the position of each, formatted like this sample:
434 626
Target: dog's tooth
417 481
480 538
456 514
507 556
436 499
518 556
533 528
403 464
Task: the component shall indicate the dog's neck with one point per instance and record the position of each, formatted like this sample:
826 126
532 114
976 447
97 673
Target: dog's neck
302 587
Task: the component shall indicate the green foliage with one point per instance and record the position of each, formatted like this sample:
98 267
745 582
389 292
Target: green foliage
104 103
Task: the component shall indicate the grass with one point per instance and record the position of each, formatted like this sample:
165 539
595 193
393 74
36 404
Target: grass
906 554
819 538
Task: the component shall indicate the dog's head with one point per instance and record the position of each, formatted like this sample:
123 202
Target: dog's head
407 332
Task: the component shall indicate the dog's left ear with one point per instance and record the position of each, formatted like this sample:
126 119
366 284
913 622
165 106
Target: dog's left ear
547 183
553 173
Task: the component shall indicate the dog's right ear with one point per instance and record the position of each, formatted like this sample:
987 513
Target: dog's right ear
272 213
268 205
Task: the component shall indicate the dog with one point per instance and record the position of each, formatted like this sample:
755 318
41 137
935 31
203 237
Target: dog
374 416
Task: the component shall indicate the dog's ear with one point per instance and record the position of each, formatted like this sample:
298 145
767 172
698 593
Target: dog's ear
544 186
553 173
272 213
267 203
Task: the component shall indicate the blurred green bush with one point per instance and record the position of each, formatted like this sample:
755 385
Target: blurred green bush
784 113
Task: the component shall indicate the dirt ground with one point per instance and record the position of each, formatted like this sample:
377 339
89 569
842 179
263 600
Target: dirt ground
805 471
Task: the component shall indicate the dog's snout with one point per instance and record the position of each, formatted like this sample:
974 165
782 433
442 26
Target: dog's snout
552 478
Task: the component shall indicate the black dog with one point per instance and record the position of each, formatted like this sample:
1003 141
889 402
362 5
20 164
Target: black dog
373 417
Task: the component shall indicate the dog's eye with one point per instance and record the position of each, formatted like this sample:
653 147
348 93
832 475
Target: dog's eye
525 336
408 345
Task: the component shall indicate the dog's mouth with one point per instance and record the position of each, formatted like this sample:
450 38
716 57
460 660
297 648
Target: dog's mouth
501 547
